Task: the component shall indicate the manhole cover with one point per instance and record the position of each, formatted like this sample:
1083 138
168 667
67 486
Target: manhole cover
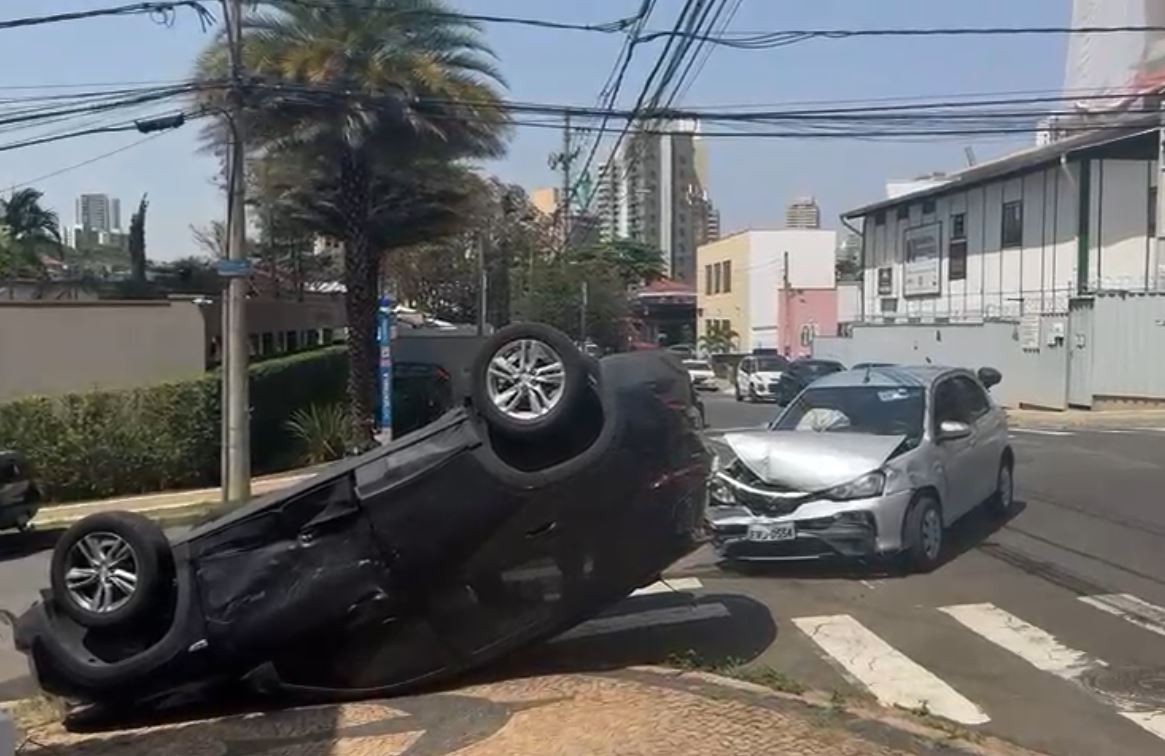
1142 686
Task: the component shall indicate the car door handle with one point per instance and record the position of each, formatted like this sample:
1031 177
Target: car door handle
542 530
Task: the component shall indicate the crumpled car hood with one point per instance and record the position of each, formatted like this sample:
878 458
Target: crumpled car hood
810 461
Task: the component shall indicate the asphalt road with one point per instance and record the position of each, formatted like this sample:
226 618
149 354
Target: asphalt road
1047 629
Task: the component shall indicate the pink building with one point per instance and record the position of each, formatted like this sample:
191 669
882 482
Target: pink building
802 315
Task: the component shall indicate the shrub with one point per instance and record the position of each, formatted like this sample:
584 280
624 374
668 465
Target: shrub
111 442
324 432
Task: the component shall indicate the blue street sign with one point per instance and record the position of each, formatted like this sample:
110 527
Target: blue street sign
384 329
233 268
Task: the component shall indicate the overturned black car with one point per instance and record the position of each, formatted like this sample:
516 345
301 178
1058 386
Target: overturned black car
562 485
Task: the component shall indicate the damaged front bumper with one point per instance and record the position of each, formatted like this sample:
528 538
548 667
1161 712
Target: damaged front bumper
816 529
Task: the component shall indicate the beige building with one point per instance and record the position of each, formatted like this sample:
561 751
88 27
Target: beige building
546 199
721 289
740 279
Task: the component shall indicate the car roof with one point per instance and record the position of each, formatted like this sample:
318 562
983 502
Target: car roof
895 375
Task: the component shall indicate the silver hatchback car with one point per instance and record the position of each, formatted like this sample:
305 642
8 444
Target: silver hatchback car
877 461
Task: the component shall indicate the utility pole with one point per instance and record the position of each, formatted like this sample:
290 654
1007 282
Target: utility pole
482 284
582 316
564 160
236 400
1158 278
786 326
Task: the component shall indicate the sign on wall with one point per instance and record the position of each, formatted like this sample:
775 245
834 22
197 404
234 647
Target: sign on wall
922 246
885 281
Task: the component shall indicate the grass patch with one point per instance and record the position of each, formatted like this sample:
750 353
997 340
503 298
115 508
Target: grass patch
737 669
952 730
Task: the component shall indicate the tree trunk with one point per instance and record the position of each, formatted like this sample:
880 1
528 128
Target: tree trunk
360 273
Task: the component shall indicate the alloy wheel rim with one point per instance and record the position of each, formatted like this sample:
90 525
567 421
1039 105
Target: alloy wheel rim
526 379
102 572
931 534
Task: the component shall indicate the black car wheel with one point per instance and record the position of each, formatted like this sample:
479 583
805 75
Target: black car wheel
924 534
528 379
111 569
1004 498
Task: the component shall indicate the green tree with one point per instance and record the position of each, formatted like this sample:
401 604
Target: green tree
365 92
556 298
30 229
635 262
719 338
137 242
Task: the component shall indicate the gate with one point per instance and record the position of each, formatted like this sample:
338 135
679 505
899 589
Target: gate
1080 353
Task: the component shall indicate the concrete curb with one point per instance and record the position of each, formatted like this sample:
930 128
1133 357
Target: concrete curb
181 509
982 745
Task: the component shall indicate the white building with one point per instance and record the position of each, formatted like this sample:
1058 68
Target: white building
1018 235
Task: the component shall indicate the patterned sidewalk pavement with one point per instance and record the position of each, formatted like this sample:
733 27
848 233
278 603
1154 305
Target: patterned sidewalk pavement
632 711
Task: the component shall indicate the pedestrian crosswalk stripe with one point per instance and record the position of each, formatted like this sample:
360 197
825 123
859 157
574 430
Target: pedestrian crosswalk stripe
892 677
1130 608
1028 642
668 586
1043 651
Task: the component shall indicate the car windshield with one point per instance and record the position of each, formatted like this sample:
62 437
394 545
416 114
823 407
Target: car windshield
877 410
819 368
771 364
697 365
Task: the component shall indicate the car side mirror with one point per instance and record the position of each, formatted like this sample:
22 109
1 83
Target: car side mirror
951 430
989 376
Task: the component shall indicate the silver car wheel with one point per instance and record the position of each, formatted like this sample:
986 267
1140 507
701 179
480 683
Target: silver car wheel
102 573
526 379
1006 488
932 534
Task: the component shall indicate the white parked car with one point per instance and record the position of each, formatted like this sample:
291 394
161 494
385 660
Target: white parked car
700 371
757 377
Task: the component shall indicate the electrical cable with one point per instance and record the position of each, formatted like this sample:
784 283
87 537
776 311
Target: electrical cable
609 27
88 162
160 10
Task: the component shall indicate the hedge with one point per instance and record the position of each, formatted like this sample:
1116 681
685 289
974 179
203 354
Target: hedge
113 442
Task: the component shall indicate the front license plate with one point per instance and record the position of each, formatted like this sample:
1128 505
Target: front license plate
770 533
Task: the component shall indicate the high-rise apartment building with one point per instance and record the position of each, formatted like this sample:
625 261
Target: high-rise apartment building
652 192
98 212
803 212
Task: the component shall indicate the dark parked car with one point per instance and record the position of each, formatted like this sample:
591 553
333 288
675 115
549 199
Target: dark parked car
564 484
799 374
19 494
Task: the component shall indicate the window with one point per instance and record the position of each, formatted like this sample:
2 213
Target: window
880 218
928 207
1012 231
957 252
716 278
1152 212
959 226
890 305
903 212
974 400
707 279
727 276
948 404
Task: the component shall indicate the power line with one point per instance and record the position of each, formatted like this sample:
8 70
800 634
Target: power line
90 161
143 126
162 11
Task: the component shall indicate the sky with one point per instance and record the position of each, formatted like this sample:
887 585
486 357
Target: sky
751 180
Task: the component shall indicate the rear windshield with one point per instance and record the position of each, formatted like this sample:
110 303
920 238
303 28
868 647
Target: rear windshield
771 363
697 365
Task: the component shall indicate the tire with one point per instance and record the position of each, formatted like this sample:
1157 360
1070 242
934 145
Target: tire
524 349
144 552
736 387
1003 500
924 534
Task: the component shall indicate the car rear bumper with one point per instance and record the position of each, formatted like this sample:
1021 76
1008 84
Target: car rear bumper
865 527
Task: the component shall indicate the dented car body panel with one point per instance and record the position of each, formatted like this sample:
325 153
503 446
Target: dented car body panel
426 557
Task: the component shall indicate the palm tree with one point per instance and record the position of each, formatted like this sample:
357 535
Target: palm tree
719 338
29 228
362 90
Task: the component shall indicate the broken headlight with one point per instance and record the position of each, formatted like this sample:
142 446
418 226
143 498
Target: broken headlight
866 487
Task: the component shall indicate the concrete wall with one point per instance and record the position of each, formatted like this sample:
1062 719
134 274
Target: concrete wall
1128 342
1040 274
810 313
849 303
59 347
